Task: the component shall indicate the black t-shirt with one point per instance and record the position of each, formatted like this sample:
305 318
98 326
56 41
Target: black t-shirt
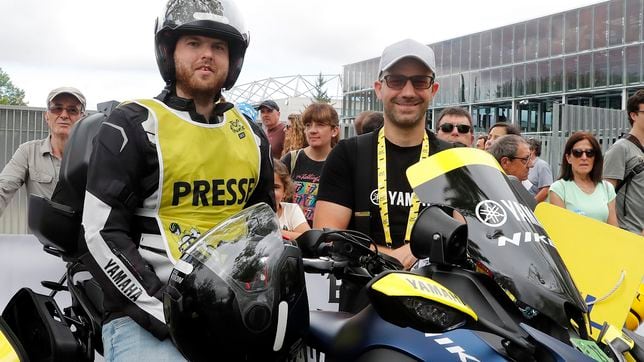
337 183
306 178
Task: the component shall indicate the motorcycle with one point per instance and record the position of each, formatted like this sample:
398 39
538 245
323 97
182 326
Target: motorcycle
495 287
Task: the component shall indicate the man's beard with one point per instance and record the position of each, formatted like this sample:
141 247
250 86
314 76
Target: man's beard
196 87
405 121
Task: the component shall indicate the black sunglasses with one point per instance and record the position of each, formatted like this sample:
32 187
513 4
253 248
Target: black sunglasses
398 82
449 127
577 153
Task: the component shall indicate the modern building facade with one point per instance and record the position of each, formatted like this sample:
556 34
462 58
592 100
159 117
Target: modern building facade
590 56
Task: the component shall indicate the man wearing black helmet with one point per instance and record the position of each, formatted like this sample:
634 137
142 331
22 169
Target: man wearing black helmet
165 170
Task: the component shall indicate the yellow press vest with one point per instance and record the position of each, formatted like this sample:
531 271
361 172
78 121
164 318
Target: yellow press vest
207 172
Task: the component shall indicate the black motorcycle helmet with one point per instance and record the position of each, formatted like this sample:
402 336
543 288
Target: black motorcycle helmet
216 18
238 293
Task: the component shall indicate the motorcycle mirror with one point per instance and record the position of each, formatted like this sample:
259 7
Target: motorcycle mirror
439 236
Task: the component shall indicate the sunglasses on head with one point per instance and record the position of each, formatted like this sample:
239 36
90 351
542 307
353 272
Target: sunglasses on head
577 153
449 127
398 82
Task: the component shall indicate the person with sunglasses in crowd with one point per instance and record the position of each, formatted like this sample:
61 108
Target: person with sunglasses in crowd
455 125
580 187
37 163
363 184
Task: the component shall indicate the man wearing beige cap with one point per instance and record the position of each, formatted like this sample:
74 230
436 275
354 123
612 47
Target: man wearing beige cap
362 172
37 163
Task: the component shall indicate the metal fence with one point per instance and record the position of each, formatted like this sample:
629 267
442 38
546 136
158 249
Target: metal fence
18 125
607 125
22 124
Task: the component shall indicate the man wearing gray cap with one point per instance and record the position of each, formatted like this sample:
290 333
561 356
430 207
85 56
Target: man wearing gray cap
363 184
36 163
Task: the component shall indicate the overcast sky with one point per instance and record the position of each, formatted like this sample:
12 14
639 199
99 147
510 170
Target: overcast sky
106 48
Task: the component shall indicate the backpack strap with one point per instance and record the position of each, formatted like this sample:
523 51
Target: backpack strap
637 169
294 155
362 190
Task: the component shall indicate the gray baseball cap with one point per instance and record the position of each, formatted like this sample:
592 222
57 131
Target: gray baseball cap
407 48
67 90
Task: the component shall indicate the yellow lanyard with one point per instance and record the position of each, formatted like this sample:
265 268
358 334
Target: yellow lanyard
382 188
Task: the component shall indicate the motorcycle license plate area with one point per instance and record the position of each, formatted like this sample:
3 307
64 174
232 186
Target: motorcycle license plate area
605 262
506 240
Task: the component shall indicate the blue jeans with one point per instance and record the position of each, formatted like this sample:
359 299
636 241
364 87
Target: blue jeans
125 340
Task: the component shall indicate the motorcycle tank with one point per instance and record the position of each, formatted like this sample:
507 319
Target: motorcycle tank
506 241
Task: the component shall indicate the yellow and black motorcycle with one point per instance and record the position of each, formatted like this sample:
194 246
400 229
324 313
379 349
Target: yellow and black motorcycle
494 288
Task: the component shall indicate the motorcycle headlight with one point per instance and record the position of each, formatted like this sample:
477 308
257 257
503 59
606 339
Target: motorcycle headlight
411 300
431 316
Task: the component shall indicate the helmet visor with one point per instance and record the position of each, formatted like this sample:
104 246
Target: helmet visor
243 249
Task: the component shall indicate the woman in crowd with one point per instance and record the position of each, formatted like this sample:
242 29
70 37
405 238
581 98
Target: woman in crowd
321 124
580 187
291 217
295 138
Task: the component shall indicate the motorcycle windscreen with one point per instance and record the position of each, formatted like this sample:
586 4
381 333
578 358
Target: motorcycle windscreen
506 240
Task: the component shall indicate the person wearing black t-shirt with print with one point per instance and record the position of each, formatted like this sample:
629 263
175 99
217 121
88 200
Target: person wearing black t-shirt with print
406 86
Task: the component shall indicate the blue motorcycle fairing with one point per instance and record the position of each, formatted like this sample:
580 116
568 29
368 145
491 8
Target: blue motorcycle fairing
366 330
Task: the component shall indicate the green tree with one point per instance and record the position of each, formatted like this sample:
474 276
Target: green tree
320 95
9 93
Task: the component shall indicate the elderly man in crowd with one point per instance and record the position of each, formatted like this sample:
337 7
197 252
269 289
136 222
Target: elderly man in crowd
513 154
37 163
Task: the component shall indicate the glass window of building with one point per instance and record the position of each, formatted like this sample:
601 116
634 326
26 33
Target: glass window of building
616 22
506 53
456 56
519 80
497 35
556 75
544 37
600 68
585 28
633 20
485 85
531 78
531 39
475 52
633 64
556 35
519 42
616 64
476 86
465 54
570 66
495 83
447 57
572 28
486 49
584 64
543 70
601 26
506 81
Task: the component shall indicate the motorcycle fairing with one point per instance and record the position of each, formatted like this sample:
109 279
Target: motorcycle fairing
506 240
405 284
367 330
